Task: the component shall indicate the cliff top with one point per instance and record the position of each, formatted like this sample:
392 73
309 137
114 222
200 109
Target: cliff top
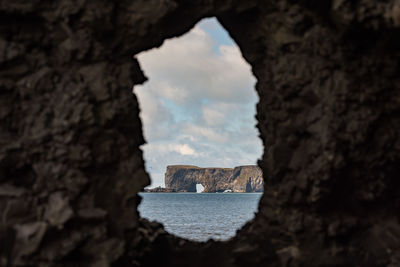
196 167
247 166
183 166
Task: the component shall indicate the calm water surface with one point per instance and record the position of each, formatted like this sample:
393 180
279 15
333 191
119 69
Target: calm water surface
200 216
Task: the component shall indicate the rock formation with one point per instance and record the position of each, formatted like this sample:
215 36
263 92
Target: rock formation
239 179
70 135
158 189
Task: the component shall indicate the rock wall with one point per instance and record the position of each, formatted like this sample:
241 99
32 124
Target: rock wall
239 179
328 114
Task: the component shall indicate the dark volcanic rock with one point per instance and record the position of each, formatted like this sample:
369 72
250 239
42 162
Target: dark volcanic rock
183 178
328 114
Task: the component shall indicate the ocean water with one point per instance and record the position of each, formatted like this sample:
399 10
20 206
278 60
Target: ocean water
200 216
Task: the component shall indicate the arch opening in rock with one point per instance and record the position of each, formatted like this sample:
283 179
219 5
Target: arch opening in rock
199 188
198 109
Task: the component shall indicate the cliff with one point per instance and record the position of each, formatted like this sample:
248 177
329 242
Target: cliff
239 179
158 190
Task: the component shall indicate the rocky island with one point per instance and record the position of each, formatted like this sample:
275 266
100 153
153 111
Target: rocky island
158 189
184 178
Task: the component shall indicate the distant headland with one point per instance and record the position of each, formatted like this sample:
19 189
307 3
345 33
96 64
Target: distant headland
184 178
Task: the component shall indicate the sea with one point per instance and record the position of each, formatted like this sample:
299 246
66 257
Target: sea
200 216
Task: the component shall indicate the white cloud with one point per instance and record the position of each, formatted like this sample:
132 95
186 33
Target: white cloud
213 116
208 134
155 116
189 64
198 105
185 149
171 92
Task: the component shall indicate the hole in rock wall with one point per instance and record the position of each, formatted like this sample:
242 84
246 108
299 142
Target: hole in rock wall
198 114
199 188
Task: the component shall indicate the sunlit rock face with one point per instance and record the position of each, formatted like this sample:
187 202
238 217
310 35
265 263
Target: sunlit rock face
239 179
247 179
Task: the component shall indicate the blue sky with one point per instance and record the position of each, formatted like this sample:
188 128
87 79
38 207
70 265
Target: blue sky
217 33
198 105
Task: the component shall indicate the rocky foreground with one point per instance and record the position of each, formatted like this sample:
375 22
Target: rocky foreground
70 134
184 178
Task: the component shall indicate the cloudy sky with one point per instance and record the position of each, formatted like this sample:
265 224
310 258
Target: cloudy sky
198 105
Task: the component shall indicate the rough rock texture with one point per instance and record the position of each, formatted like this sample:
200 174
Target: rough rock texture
184 178
329 117
247 179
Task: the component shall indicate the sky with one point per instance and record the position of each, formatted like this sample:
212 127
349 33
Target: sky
198 106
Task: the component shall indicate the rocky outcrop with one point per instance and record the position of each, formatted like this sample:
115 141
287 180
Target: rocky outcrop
183 178
158 189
